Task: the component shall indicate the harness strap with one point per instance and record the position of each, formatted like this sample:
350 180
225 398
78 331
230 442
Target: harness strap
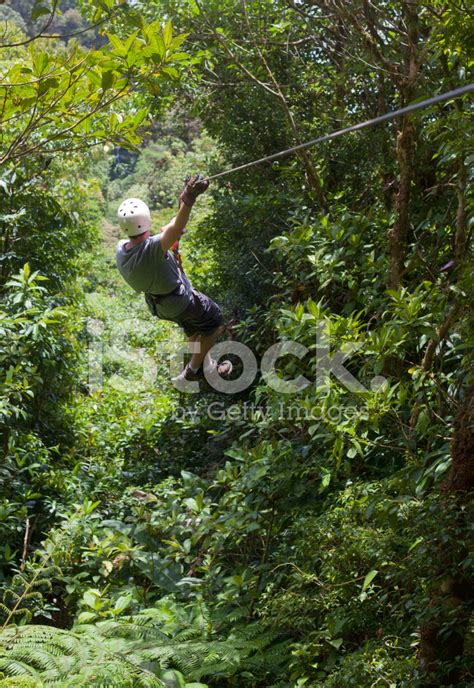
177 253
157 297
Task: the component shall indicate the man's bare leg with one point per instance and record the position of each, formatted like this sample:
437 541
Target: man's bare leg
206 342
193 370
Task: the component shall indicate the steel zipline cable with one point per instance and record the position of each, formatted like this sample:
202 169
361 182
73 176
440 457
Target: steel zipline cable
456 93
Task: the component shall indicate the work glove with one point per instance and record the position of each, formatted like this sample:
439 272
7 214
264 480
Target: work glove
194 186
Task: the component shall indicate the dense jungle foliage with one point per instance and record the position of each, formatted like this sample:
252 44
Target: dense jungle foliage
264 539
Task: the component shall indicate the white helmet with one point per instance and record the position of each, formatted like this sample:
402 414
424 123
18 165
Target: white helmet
134 216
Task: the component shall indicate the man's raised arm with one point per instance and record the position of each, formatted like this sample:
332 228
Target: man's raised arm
171 232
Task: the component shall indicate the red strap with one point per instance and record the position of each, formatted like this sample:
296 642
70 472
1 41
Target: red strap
177 254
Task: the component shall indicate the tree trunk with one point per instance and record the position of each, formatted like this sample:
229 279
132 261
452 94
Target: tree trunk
452 601
461 475
442 638
398 235
407 79
460 238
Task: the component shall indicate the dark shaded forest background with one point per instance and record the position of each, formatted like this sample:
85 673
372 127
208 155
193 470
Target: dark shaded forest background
321 539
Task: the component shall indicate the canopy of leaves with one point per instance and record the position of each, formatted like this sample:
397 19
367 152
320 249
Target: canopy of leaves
258 540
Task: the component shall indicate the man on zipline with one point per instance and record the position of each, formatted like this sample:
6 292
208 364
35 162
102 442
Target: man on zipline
151 264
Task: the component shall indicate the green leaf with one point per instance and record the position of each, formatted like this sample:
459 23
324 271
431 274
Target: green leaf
86 125
337 642
117 44
46 85
130 40
325 480
171 71
368 579
132 58
85 617
40 63
415 544
105 4
168 34
173 679
140 116
122 603
108 79
179 57
39 11
178 40
158 46
90 597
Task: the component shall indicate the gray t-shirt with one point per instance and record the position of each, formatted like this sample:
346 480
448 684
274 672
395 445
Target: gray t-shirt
146 268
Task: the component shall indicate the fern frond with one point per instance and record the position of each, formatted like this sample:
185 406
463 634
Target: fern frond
13 667
190 633
13 612
134 630
132 652
38 659
9 593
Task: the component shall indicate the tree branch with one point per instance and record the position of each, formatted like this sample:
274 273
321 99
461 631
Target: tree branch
54 7
311 174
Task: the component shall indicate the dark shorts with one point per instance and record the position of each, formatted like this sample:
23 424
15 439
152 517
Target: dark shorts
202 316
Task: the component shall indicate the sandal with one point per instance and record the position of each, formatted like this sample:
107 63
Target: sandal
224 369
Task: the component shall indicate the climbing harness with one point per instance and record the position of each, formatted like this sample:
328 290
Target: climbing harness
456 93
